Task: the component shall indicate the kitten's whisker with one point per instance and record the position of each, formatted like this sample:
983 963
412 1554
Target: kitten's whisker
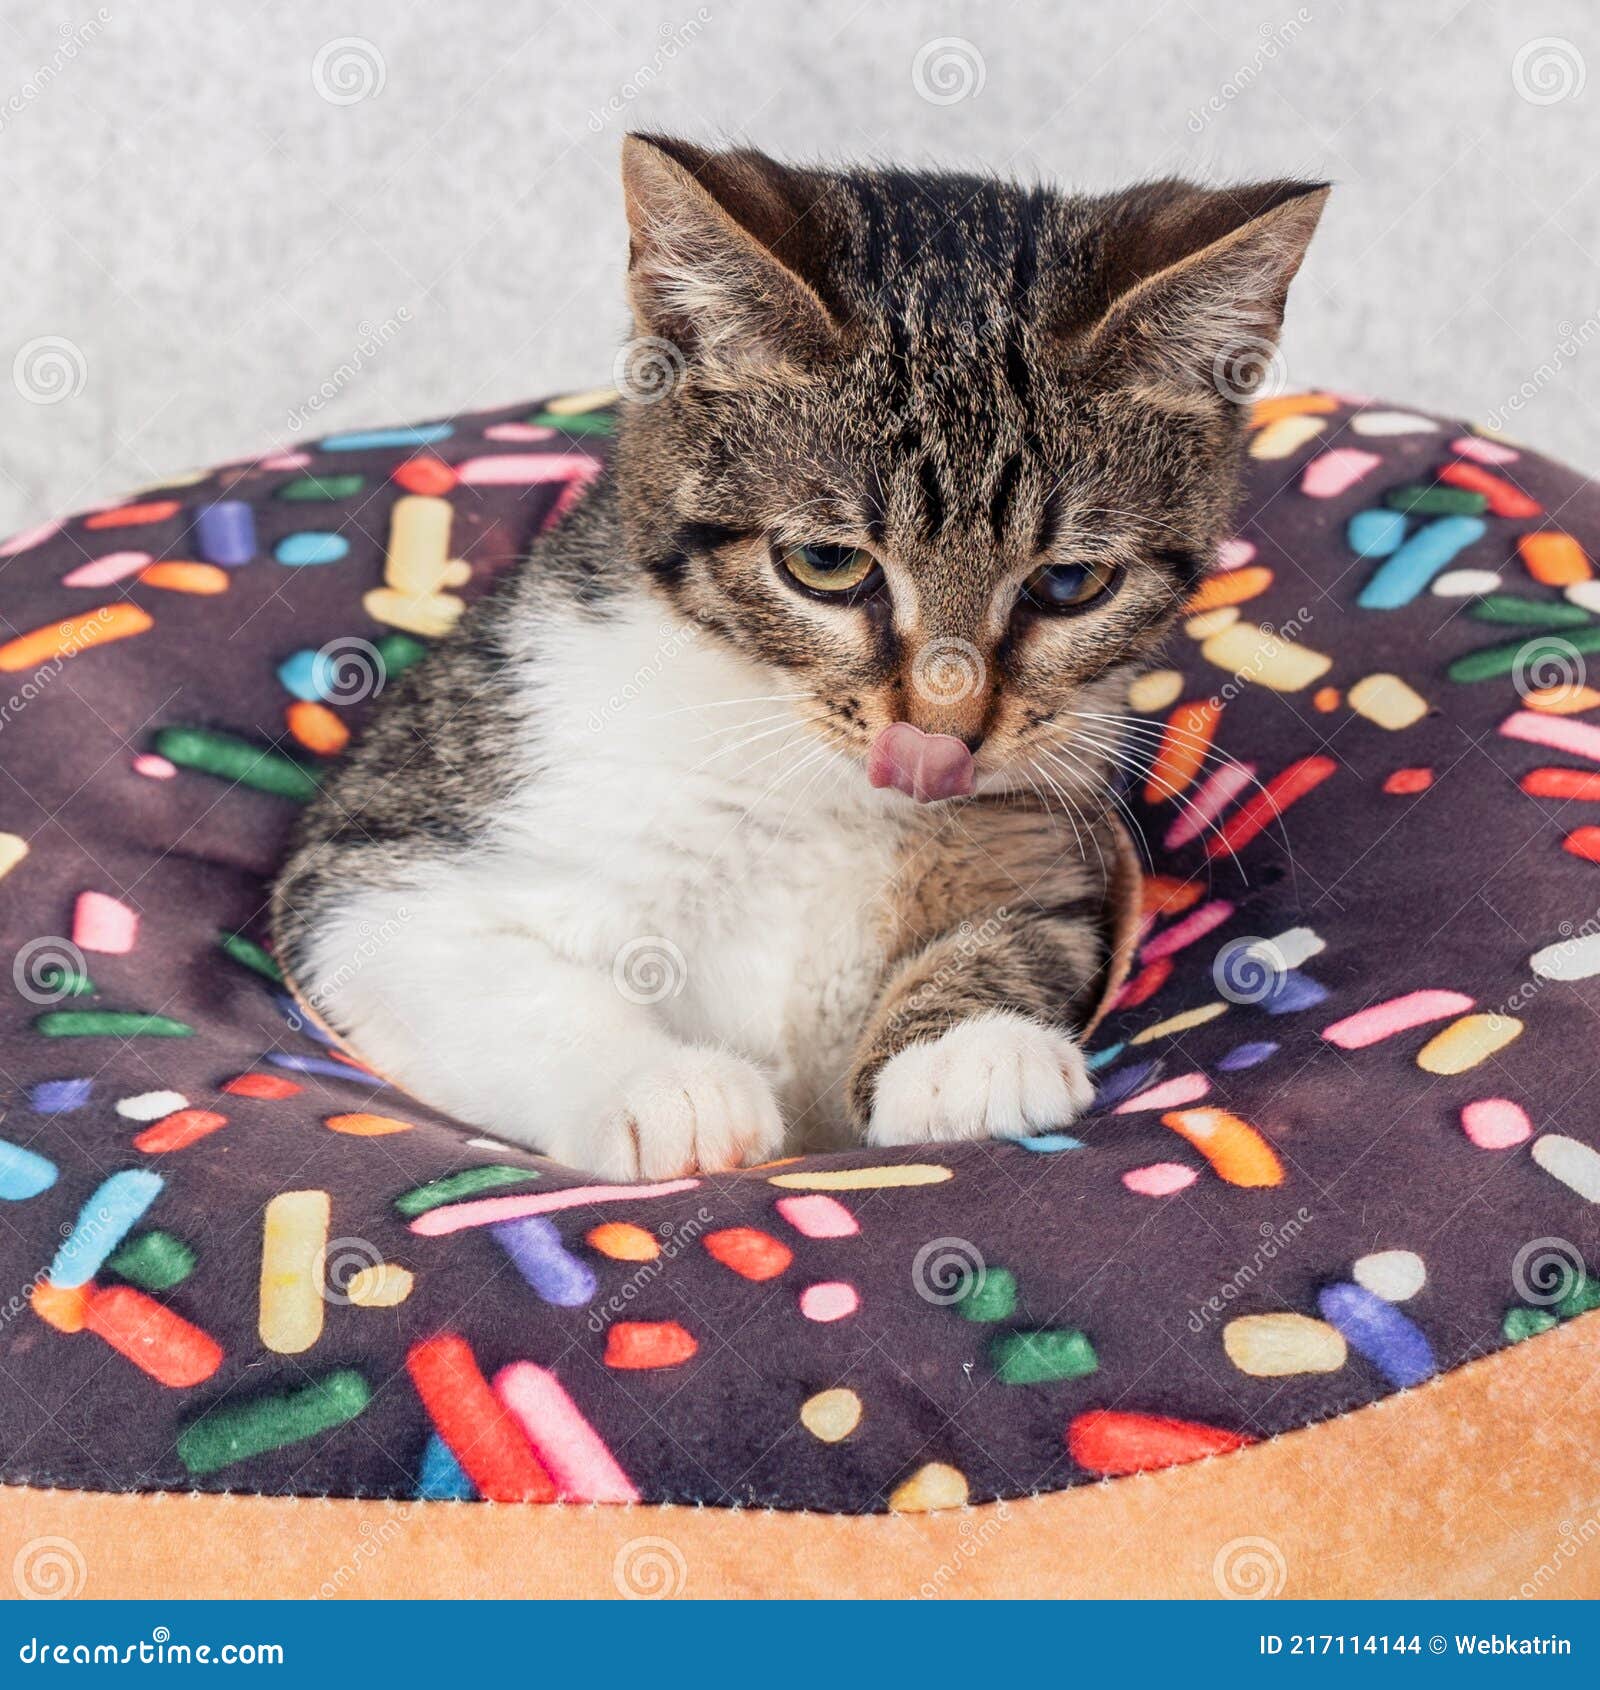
731 750
728 703
1077 769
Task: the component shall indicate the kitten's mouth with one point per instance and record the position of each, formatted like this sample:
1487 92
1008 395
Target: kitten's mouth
926 767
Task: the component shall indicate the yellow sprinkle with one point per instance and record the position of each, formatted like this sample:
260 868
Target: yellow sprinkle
1155 691
419 544
1467 1042
1388 701
930 1487
381 1286
1573 1163
1180 1023
831 1415
575 404
864 1179
1210 622
1285 437
1257 654
12 851
1272 1346
429 618
294 1239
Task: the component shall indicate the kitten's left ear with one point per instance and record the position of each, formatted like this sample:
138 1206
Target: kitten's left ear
1206 276
725 257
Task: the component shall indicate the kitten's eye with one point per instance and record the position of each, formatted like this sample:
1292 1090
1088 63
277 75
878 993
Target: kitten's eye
1068 586
830 569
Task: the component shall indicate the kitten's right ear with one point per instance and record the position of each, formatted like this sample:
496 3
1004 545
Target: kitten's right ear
720 246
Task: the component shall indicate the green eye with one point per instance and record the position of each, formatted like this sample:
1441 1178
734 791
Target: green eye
1068 586
830 569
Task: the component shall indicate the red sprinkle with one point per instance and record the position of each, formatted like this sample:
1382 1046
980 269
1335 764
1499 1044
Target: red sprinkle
1144 985
134 516
151 1336
178 1131
1504 498
648 1343
1583 842
426 474
483 1434
1107 1441
1264 807
260 1085
1404 782
1561 783
749 1252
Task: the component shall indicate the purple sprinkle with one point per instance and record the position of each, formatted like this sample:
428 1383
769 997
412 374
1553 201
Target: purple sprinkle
328 1070
60 1097
535 1246
1294 992
1394 1344
1121 1083
1247 1055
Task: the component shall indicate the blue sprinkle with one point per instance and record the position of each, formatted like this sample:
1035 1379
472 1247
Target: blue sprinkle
117 1205
1376 533
441 1478
535 1246
1044 1142
1100 1058
296 1017
60 1097
23 1173
1247 1056
328 1070
225 533
1122 1082
298 673
1392 1342
311 546
1399 580
1293 992
377 439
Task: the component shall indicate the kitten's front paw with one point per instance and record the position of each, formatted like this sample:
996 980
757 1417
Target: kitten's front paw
699 1111
997 1075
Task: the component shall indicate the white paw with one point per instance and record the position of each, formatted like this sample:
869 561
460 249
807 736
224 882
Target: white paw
997 1075
699 1111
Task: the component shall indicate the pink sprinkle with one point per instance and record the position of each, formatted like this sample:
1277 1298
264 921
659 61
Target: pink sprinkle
568 1447
1555 733
1494 1123
1397 1015
100 923
1170 1094
818 1216
529 469
1483 451
153 767
487 1210
1160 1179
284 461
832 1300
104 571
1194 926
1214 794
517 433
1235 554
1336 472
31 537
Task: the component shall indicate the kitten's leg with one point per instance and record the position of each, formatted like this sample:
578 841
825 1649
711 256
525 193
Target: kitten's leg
974 1036
489 1024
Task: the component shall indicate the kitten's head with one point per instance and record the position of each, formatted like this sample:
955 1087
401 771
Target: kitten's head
947 453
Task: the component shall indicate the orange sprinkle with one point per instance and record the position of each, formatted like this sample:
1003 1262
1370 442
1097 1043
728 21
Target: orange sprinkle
1555 560
317 727
1233 586
178 1131
67 1311
1266 411
74 634
360 1125
1326 699
203 578
1234 1148
622 1241
648 1343
1567 700
1190 729
1164 894
134 516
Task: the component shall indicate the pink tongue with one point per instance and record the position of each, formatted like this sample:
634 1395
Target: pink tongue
926 767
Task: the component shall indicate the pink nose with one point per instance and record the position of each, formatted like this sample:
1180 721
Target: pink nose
926 767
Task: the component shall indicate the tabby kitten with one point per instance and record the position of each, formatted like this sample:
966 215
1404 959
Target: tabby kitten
774 787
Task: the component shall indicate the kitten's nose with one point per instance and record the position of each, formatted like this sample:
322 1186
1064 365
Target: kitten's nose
927 767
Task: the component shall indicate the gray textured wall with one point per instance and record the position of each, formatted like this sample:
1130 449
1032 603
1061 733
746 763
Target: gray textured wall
225 221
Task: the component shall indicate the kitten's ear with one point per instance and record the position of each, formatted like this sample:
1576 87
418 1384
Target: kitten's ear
724 258
1198 279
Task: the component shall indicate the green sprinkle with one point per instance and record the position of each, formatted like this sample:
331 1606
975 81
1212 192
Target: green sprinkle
109 1023
470 1182
1497 660
586 422
154 1261
1583 1296
1530 613
991 1296
235 1433
322 487
1526 1323
399 652
66 983
1436 501
237 760
251 955
1033 1358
